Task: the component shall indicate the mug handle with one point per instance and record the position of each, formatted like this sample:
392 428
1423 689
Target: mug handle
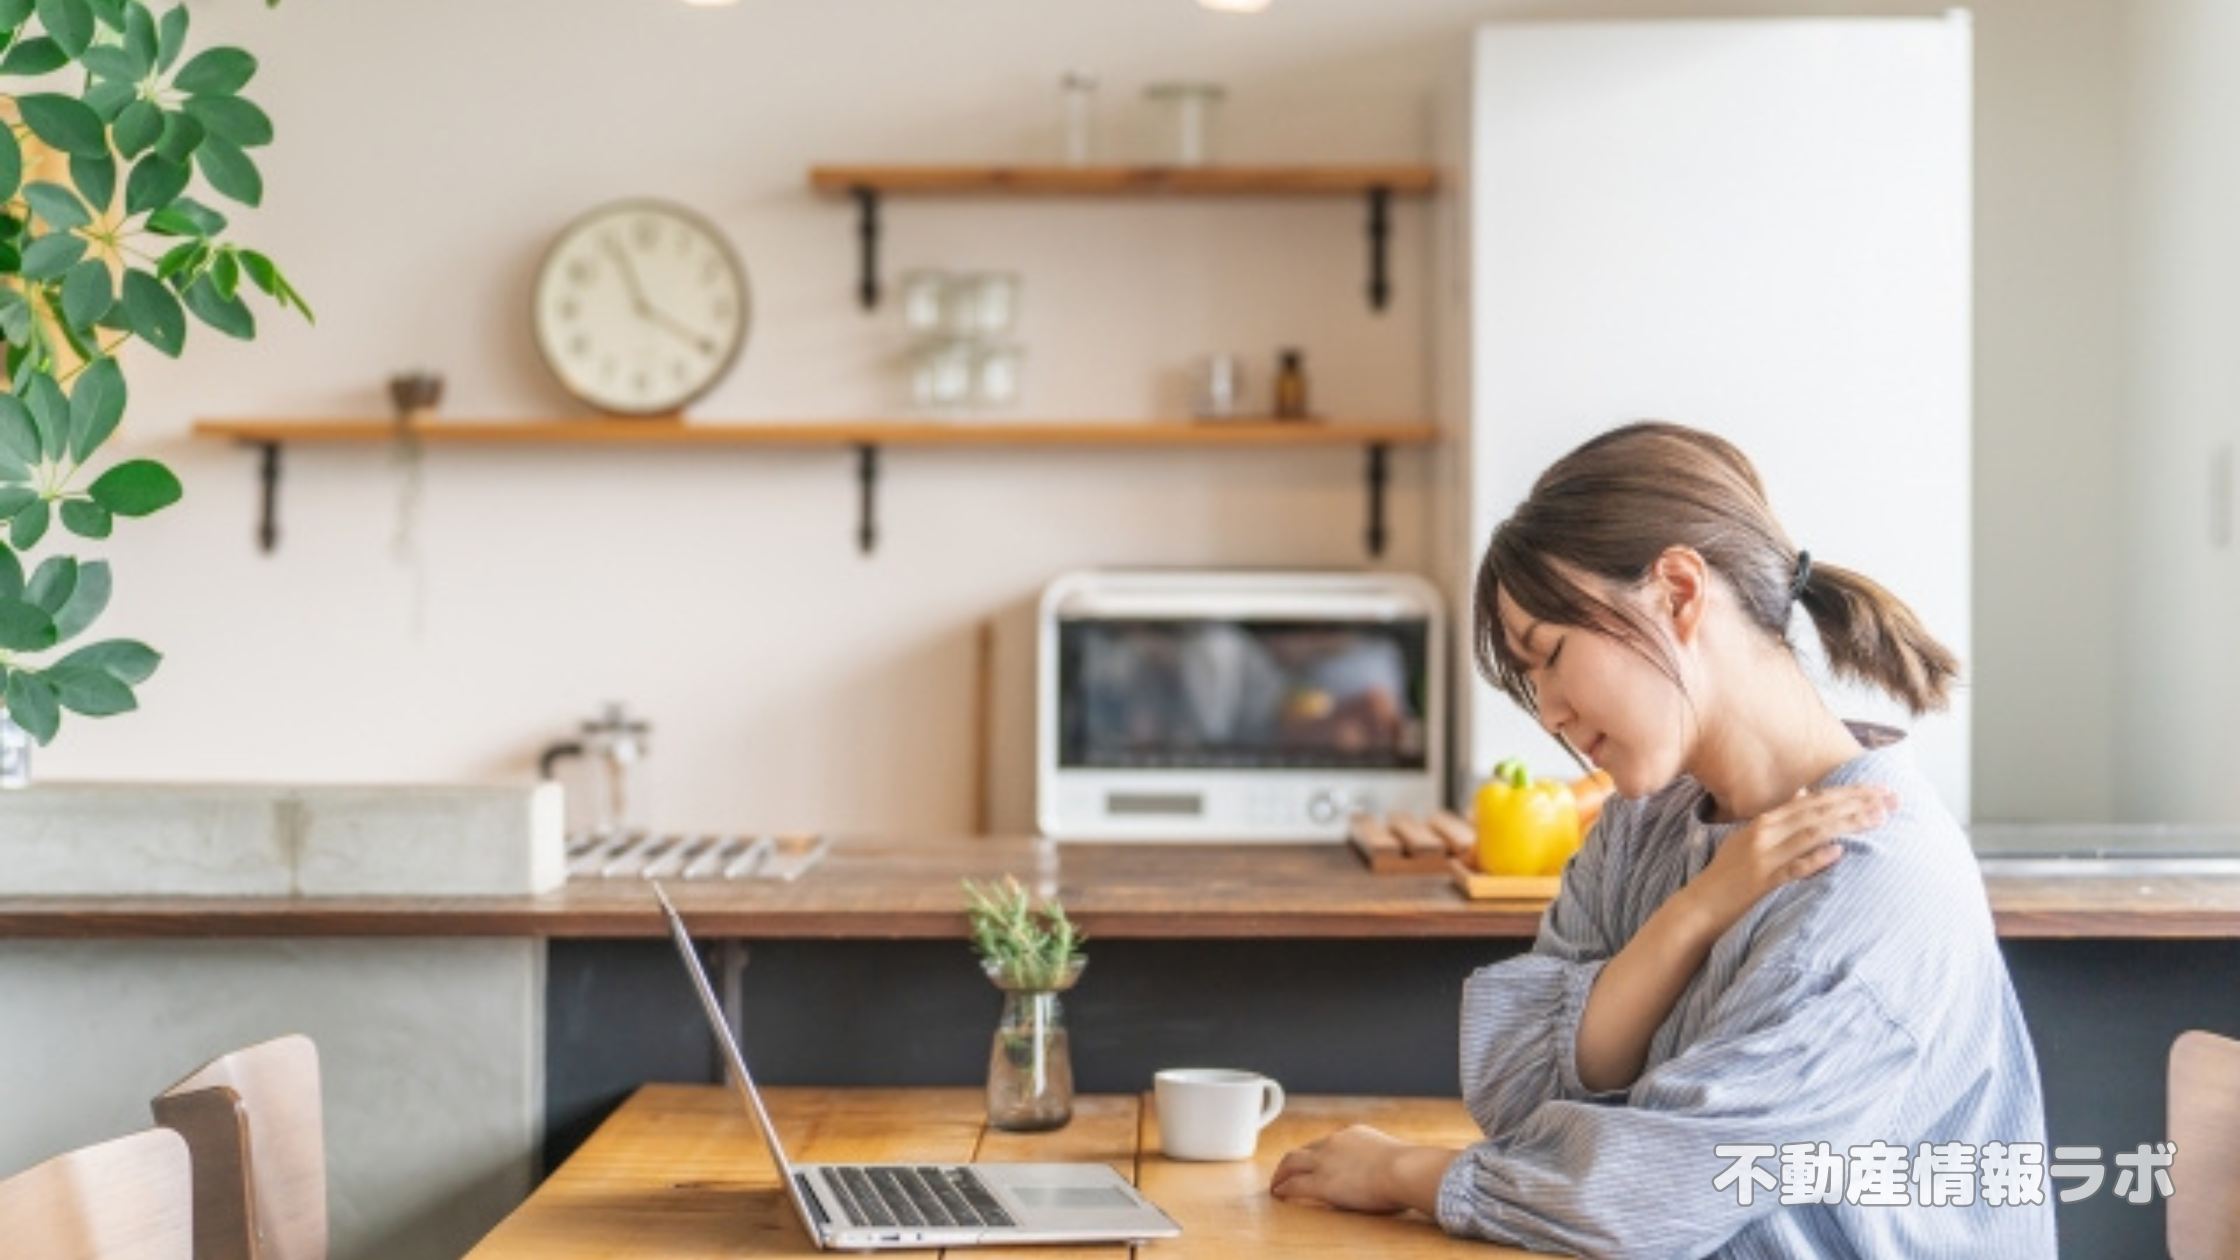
1273 1107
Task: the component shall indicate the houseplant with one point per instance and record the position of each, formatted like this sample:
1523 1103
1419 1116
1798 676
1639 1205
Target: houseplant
110 125
1032 953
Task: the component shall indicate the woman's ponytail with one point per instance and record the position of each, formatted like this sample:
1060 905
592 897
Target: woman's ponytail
1871 636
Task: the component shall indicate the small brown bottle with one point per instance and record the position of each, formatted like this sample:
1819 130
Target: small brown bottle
1291 387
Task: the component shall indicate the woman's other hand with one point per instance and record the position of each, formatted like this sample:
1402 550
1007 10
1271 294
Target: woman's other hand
1362 1169
1789 842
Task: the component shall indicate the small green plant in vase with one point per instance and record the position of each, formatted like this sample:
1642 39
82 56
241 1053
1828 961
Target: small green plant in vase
1033 953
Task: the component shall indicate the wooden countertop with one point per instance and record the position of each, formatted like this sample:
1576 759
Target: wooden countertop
906 889
678 1173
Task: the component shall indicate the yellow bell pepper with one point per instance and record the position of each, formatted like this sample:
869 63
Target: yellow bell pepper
1525 827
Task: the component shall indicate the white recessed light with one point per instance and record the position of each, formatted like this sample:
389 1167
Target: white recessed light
1234 6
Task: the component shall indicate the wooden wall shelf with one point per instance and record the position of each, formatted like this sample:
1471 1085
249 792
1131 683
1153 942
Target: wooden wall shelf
865 436
1378 183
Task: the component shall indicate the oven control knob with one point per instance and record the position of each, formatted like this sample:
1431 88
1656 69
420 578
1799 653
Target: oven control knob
1328 807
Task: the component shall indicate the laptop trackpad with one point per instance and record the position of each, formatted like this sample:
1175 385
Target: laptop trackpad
1070 1198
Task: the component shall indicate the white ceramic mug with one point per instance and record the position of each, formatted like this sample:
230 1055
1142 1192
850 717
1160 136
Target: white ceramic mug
1214 1113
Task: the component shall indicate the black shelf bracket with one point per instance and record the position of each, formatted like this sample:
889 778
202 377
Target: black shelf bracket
867 482
867 236
1380 239
1376 477
268 511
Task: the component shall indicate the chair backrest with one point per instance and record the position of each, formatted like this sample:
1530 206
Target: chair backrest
252 1120
2204 1204
128 1199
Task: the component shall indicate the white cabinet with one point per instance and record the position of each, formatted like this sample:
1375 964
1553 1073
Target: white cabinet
1757 226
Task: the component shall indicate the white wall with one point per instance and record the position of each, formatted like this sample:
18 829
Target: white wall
430 148
2180 674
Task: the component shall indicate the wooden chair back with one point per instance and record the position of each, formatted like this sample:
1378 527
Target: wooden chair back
2204 1204
127 1199
252 1120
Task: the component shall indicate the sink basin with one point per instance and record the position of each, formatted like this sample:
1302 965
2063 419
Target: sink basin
2106 850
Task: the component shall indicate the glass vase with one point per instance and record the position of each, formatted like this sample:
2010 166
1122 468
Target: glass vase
1030 1068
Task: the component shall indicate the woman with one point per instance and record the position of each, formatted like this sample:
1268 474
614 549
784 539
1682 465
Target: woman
1767 1015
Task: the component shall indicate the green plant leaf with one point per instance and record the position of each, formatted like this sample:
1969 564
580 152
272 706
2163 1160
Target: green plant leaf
11 262
15 315
171 36
225 271
14 13
15 478
65 122
229 315
86 519
50 413
267 276
52 582
96 406
51 255
68 22
86 295
113 61
108 97
75 338
140 37
122 659
28 526
135 487
34 57
232 118
91 692
229 170
31 703
96 180
154 182
11 575
199 219
138 127
19 434
87 601
57 205
181 257
109 13
154 313
216 72
180 137
14 499
11 163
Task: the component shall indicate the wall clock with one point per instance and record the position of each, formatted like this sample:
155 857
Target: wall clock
641 307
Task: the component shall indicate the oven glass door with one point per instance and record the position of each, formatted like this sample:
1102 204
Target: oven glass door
1160 694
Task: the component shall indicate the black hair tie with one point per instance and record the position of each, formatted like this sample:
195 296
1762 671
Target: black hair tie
1803 576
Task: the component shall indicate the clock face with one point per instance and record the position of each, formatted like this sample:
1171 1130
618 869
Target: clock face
641 307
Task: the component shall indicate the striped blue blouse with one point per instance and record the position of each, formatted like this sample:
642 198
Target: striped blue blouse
1847 1075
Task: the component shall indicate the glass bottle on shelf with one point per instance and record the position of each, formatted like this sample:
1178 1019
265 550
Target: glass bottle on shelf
1291 386
1078 118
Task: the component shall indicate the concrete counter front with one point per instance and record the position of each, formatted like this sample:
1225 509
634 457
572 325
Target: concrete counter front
1290 959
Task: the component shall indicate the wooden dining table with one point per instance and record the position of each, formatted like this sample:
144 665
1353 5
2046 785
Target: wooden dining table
679 1173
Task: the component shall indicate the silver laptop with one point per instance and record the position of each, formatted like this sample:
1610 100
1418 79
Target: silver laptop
879 1207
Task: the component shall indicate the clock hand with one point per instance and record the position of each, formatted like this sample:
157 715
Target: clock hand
622 264
663 320
644 308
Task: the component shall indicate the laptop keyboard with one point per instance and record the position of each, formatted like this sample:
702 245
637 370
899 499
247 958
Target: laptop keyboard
882 1194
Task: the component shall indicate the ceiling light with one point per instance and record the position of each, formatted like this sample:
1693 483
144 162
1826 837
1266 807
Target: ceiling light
1234 6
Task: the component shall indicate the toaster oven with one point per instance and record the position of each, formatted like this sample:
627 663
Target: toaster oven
1227 705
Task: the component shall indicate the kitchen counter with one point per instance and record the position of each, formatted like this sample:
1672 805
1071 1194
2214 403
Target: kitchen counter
907 889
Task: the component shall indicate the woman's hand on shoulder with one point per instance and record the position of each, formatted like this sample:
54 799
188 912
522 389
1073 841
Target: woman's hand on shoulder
1792 841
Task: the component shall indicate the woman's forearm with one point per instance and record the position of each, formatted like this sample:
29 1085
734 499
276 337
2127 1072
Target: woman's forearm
1637 989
